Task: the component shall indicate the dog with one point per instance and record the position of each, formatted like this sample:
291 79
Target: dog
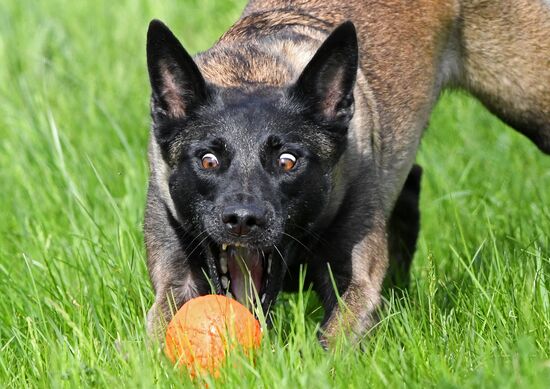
292 142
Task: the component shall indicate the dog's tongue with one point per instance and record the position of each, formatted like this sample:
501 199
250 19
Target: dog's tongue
245 269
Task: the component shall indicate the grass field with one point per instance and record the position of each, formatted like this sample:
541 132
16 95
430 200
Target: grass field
73 284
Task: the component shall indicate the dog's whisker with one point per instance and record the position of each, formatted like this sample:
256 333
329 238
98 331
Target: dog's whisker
191 247
320 239
200 235
307 231
298 241
197 246
281 255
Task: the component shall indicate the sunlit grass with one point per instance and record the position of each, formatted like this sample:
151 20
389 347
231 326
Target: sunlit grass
73 283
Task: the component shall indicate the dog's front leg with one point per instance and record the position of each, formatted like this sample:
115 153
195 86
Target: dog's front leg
172 291
174 278
360 286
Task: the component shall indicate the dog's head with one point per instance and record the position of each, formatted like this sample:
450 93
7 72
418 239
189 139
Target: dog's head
250 168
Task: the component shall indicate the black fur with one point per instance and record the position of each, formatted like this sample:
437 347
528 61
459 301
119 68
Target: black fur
403 230
310 214
247 131
281 140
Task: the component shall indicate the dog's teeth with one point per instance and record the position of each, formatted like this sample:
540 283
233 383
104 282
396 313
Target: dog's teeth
263 298
269 266
224 247
223 264
225 282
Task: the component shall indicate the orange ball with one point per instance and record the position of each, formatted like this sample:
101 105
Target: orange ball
206 328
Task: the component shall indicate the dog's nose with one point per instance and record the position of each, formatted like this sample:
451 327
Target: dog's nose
241 219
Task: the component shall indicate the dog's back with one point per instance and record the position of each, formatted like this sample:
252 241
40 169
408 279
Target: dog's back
505 62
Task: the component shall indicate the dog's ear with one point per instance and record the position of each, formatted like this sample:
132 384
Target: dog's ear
326 84
176 82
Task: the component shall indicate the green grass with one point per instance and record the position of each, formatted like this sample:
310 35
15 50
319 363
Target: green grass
73 283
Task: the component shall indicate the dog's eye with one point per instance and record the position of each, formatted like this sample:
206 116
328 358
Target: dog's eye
209 161
286 161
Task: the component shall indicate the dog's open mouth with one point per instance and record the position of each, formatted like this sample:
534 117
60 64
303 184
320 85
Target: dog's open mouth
245 273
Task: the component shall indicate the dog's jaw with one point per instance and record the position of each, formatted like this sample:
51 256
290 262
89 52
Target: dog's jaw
248 274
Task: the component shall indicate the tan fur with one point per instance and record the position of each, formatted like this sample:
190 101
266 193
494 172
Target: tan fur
171 94
404 90
506 61
357 309
410 51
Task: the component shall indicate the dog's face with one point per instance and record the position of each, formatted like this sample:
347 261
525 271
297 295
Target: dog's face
250 169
